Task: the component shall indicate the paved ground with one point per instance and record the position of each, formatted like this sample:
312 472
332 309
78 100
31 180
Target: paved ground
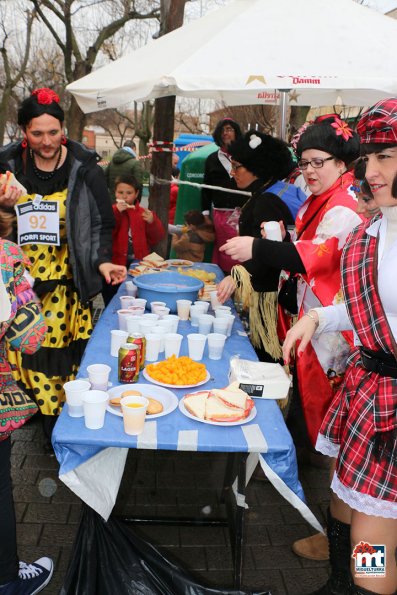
172 483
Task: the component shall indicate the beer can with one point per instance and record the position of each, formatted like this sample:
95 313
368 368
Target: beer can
129 359
139 339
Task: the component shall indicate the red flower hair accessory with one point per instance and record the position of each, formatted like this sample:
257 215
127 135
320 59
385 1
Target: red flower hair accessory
342 129
45 96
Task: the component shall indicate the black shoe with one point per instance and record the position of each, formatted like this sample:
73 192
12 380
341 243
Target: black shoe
32 578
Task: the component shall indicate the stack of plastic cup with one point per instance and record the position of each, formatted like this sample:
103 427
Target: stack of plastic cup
216 343
196 345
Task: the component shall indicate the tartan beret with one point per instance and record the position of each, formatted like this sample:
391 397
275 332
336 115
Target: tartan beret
379 123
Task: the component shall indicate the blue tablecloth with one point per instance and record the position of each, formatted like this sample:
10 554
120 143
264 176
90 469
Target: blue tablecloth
266 434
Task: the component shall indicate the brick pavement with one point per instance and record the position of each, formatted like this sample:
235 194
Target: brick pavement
169 483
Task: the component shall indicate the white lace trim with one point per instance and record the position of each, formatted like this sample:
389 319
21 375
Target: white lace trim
364 502
326 447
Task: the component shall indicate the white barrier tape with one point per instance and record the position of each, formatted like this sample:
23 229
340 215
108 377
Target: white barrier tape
188 440
256 441
148 438
154 180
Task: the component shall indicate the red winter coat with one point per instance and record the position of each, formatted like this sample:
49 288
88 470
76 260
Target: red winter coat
144 235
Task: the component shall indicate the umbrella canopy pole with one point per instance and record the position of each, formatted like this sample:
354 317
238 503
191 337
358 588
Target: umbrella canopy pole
283 113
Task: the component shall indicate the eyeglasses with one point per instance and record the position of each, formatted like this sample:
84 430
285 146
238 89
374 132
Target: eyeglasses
317 162
236 166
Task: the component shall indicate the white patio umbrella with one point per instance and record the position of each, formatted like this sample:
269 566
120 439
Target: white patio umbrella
319 52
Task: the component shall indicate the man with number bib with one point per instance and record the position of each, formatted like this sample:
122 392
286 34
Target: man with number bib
64 226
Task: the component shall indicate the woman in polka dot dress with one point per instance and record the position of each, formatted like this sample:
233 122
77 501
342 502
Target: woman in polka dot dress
65 223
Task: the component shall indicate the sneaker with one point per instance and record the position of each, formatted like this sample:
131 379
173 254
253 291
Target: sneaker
32 578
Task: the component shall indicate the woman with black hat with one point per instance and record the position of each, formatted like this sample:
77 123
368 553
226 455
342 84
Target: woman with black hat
65 223
258 160
360 427
222 205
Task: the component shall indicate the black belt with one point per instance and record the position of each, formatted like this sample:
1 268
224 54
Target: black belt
379 362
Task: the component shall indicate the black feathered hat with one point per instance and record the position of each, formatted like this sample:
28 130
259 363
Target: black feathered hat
42 101
217 134
330 134
266 157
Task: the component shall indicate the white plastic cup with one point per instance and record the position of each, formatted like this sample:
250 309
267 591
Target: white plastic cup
154 305
162 331
133 324
153 342
215 303
230 322
117 338
126 301
174 319
146 326
221 325
166 323
223 309
204 305
216 344
195 313
122 316
183 308
162 311
273 231
137 310
172 344
74 390
134 414
131 289
205 323
98 375
150 316
94 405
140 302
196 345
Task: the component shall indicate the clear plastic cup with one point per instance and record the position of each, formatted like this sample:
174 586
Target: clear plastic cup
162 311
153 343
230 322
196 345
174 318
154 305
162 331
216 344
74 390
204 305
126 301
172 345
131 289
134 413
98 375
122 316
221 325
117 338
195 313
94 405
215 303
183 308
205 323
133 324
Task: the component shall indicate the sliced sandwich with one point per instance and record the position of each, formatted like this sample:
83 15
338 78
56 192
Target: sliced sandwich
154 260
217 410
195 403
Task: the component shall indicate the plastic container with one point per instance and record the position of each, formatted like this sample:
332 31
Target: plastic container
168 287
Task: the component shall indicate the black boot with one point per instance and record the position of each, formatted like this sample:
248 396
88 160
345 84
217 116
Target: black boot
339 582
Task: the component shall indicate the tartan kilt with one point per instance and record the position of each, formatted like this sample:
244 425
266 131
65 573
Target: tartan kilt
350 424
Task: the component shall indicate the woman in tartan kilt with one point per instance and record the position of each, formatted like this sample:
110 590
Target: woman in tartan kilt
360 427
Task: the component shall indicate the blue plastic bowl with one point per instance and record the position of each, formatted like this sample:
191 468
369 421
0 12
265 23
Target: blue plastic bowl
167 287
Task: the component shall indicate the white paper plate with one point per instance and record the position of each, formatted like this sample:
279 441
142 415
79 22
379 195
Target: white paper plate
168 399
179 262
150 379
251 416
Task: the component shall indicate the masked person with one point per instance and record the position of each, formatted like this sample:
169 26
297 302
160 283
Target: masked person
64 223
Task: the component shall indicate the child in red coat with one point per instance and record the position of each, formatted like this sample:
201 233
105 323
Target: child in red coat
137 229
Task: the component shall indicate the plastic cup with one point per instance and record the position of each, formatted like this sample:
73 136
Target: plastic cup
183 308
215 303
223 310
166 323
195 313
131 289
162 311
140 302
216 343
117 338
137 310
221 325
162 331
230 322
175 322
122 316
205 323
146 326
74 390
150 316
172 344
154 305
196 345
273 231
133 323
134 413
204 305
94 405
126 301
98 375
153 342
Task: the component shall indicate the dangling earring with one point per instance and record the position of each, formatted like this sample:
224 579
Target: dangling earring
64 140
24 143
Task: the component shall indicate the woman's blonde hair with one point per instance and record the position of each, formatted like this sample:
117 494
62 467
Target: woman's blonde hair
6 223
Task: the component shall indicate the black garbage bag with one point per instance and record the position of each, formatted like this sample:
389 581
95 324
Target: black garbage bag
108 559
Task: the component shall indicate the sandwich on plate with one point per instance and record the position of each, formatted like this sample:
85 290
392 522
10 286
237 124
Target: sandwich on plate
154 260
230 404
